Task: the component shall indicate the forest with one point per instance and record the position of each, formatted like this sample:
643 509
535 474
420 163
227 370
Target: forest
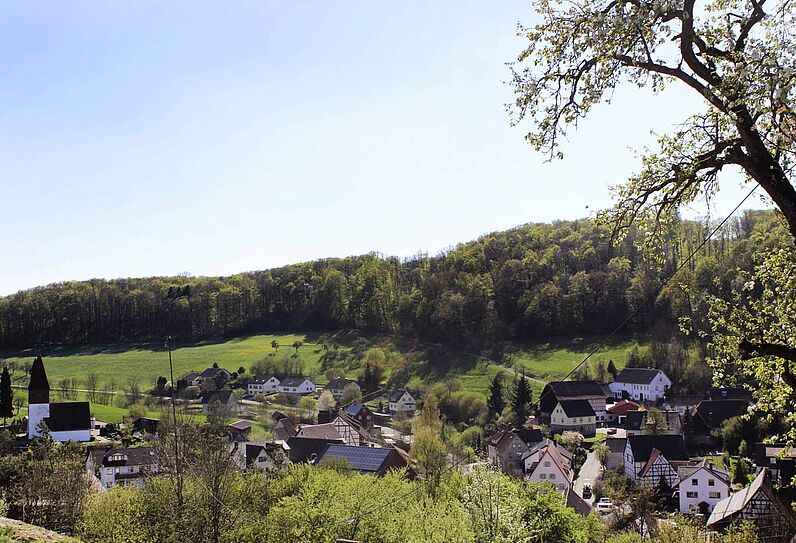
536 280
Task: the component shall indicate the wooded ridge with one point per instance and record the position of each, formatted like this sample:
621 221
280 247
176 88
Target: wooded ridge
531 281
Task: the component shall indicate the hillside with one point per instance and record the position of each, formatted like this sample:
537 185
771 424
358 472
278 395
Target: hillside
14 531
525 284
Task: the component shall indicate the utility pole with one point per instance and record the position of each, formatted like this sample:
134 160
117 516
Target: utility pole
177 473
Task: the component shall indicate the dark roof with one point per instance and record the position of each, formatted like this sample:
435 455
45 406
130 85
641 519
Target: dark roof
636 376
354 408
728 394
66 417
38 377
577 408
191 375
211 396
262 380
320 431
729 509
241 425
210 373
573 390
136 456
339 384
292 381
671 446
616 444
302 449
395 396
283 429
577 503
362 459
529 435
714 412
634 420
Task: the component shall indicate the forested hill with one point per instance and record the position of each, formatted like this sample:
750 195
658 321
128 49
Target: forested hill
534 280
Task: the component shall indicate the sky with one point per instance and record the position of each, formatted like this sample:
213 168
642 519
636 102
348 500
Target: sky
156 138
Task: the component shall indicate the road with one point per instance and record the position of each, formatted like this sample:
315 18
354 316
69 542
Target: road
589 472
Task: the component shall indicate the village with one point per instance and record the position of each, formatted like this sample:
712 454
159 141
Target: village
603 448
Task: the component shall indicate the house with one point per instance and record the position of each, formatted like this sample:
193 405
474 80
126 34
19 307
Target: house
545 463
319 431
616 452
307 449
283 429
336 386
240 430
216 373
360 413
123 467
262 455
191 379
729 393
637 423
576 503
781 464
640 384
555 391
261 385
401 401
775 521
701 487
65 421
508 445
296 386
653 458
575 416
618 411
709 415
146 425
682 403
222 399
350 430
367 460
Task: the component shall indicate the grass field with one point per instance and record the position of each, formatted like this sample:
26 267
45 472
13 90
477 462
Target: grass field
121 362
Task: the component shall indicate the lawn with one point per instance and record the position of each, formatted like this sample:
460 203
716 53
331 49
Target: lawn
123 362
548 360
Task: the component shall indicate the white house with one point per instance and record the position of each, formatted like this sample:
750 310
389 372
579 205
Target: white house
545 463
401 401
575 416
65 421
263 386
336 386
640 384
701 487
652 458
123 467
296 386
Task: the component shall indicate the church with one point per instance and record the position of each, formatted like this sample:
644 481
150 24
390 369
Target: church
66 421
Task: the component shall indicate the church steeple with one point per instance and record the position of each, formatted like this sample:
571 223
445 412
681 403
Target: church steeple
39 387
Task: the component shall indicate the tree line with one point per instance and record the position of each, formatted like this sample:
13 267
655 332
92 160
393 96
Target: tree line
532 281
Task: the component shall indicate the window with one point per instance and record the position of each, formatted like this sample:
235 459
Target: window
690 494
543 476
711 482
694 482
547 464
552 476
714 495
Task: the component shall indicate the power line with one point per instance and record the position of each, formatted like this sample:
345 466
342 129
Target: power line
657 291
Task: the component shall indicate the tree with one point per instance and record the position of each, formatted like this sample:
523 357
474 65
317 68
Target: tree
351 393
326 401
6 396
736 57
496 402
275 345
521 400
612 369
296 345
602 452
91 383
656 422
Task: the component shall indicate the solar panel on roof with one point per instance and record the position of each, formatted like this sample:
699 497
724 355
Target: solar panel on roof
361 458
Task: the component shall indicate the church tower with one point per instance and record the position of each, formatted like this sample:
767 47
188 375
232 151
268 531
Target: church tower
38 397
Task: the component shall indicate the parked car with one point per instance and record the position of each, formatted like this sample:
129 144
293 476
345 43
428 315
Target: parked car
610 431
604 505
586 492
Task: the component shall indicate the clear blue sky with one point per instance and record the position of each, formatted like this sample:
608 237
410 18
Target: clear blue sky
152 138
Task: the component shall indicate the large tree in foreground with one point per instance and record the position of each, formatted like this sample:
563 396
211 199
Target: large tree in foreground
740 58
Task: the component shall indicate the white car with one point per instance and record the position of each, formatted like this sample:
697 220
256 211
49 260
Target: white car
604 505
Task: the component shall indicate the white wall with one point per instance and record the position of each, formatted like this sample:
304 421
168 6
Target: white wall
36 413
702 490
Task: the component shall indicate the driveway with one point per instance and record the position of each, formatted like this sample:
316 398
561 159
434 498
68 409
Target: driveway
589 472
